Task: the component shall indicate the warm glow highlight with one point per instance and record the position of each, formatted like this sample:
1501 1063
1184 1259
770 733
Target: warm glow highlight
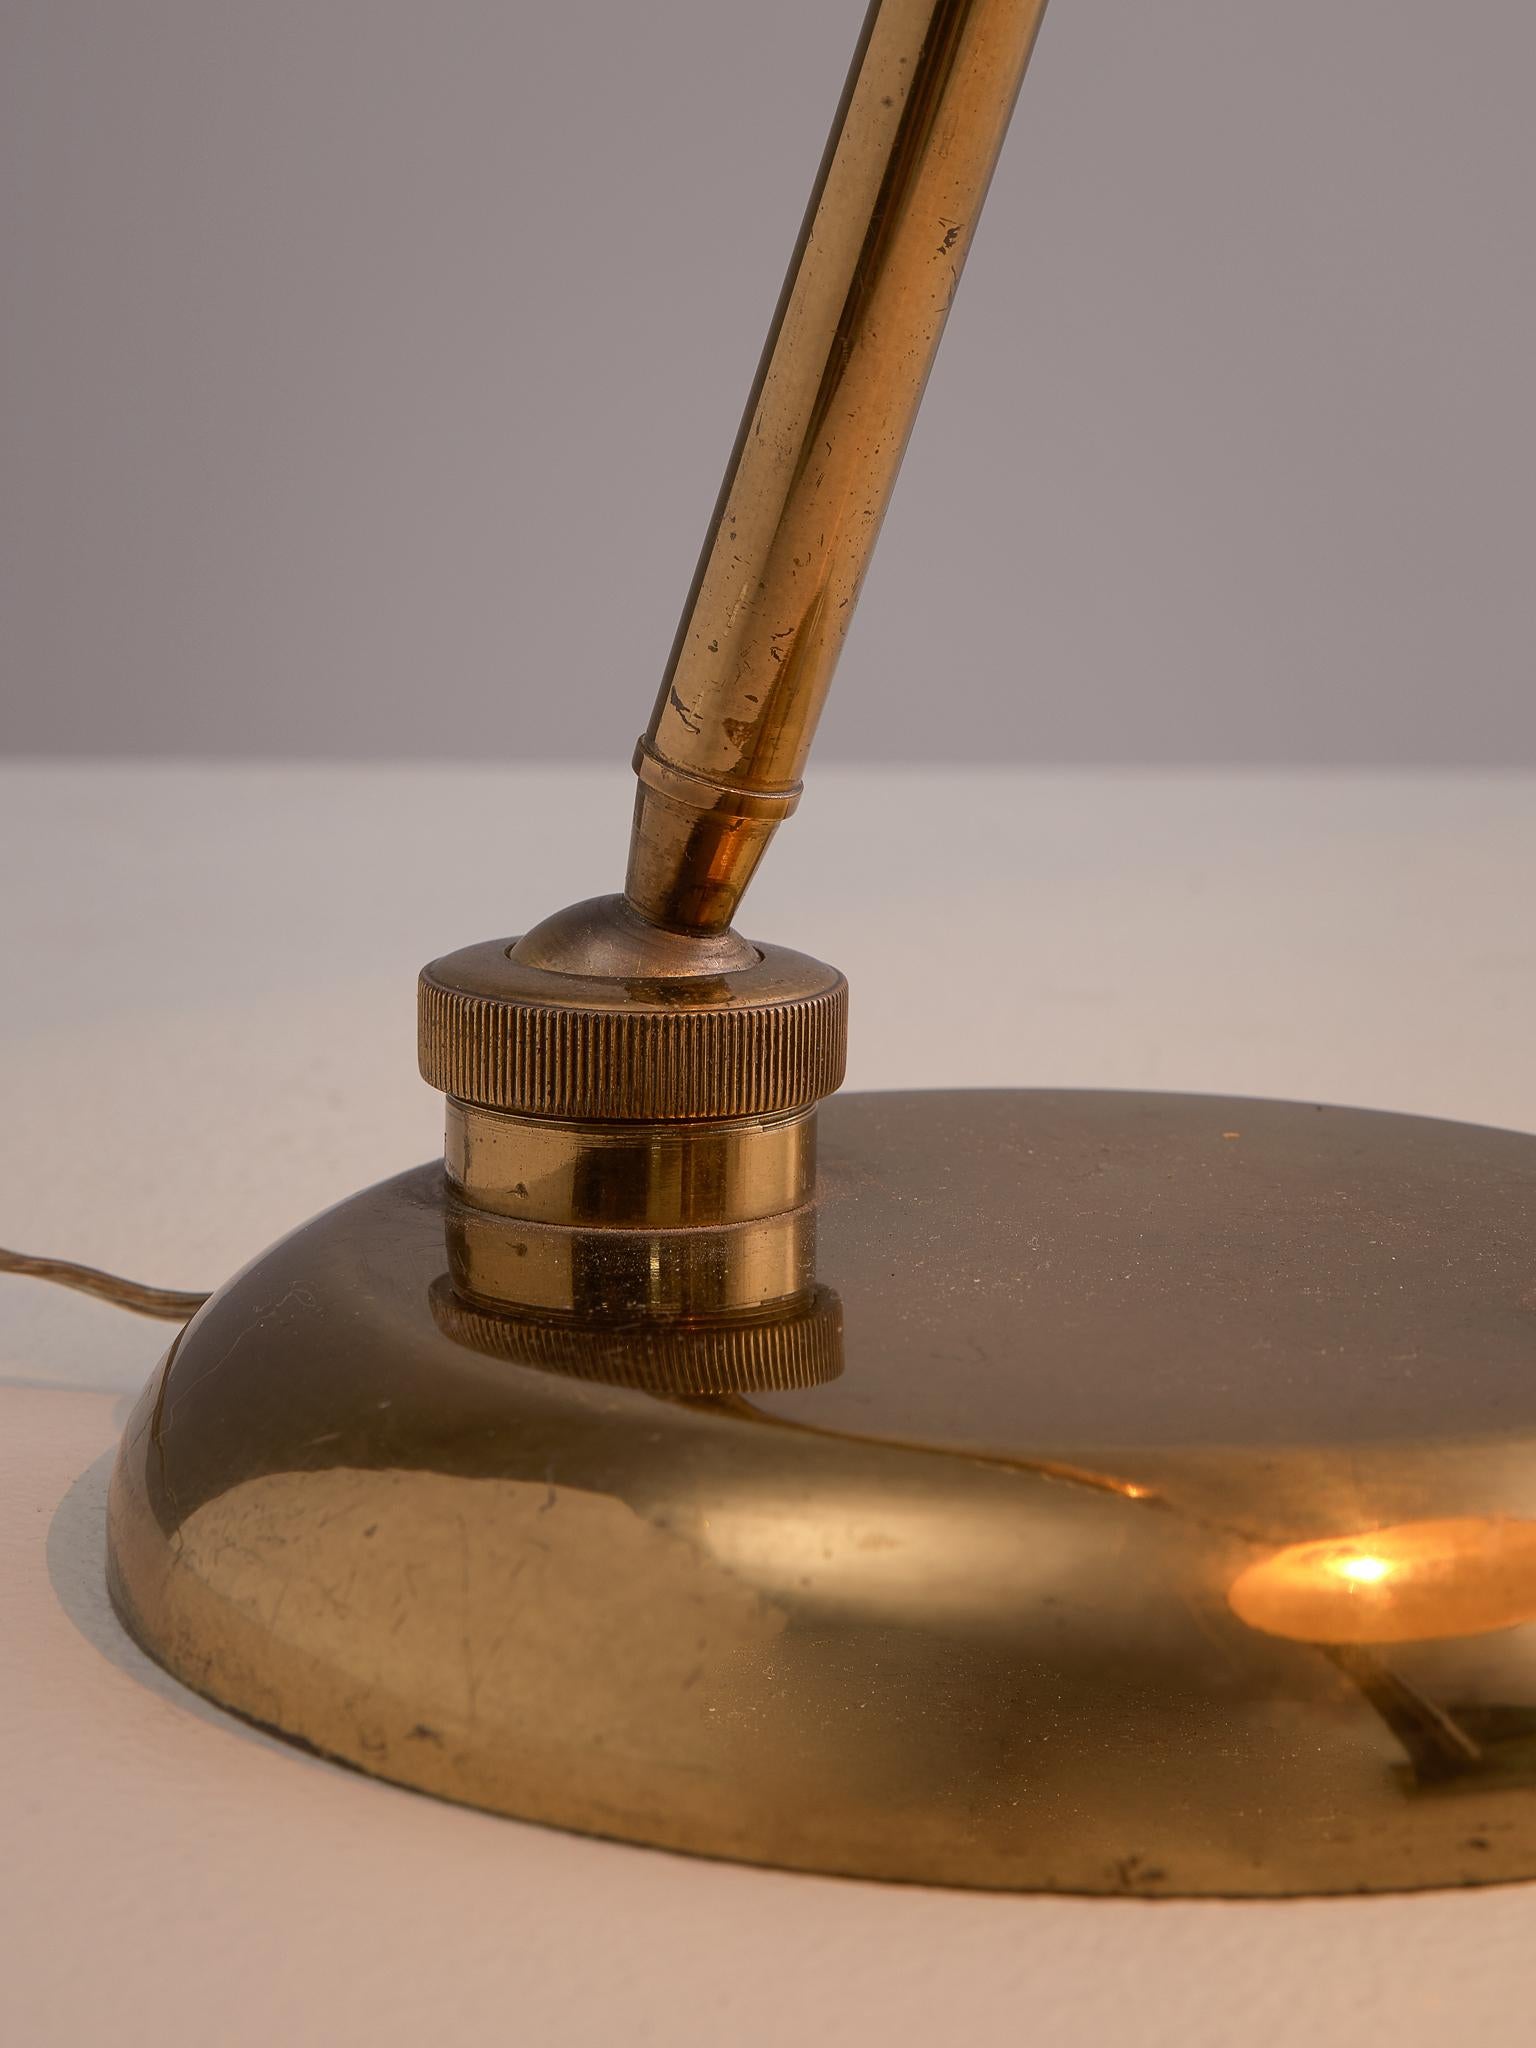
1365 1570
1406 1582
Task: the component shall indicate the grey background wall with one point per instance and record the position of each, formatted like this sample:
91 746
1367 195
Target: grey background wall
369 366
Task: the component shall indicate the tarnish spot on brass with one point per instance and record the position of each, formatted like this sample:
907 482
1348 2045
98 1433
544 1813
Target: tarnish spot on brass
381 1651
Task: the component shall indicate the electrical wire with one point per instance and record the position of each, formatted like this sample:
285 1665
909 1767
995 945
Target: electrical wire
168 1303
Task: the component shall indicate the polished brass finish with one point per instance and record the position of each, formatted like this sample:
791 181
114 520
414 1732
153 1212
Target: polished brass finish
797 1345
1417 1582
1020 1598
758 1040
649 1009
167 1304
887 233
631 1276
606 939
635 1176
1110 1494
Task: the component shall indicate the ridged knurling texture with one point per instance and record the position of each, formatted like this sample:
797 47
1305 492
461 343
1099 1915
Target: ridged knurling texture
802 1349
749 1058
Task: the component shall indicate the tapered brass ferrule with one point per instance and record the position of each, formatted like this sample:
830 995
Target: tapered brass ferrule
890 223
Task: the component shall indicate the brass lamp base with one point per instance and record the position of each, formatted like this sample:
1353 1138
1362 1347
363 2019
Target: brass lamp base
1170 1527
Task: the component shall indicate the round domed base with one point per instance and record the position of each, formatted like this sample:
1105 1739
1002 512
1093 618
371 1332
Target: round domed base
1170 1527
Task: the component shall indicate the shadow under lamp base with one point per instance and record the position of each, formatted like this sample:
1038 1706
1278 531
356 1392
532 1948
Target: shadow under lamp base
1164 1524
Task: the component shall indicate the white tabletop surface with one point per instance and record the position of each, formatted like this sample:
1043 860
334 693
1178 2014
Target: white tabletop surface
206 1033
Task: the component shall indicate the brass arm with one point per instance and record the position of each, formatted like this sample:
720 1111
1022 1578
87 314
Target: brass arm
632 1063
907 166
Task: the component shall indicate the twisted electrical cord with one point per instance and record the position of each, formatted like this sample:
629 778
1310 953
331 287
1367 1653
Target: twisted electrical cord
169 1303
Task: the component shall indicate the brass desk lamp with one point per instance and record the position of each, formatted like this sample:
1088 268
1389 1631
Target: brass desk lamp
1090 1492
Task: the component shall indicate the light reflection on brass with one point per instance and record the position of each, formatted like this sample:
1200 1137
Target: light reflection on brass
1416 1582
687 1313
963 1614
637 1175
650 1098
629 1273
869 289
797 1343
1437 1746
1046 1588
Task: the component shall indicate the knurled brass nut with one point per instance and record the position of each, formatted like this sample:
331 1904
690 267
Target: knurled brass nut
766 1037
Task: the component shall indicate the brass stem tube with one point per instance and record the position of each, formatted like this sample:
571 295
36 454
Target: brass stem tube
907 166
